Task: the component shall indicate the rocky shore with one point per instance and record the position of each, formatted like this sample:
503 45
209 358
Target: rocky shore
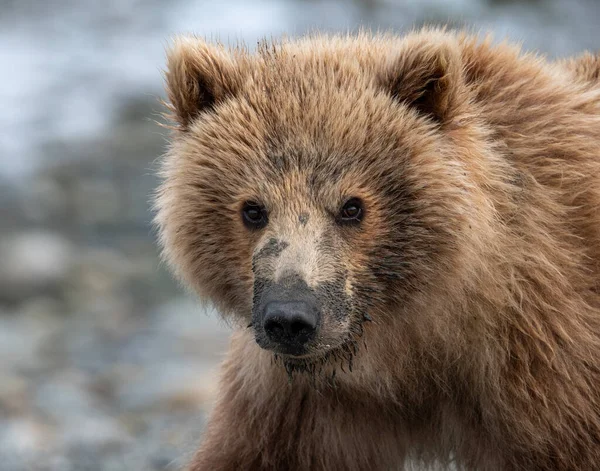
104 363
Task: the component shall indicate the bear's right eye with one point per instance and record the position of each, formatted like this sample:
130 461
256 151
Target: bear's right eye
254 215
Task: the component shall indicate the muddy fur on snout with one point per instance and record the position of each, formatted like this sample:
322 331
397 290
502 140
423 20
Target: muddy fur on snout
301 266
477 254
338 331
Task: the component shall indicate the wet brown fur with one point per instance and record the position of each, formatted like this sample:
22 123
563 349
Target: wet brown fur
478 260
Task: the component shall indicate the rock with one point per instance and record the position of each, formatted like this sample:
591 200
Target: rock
96 433
97 201
21 340
21 439
42 310
188 385
64 398
33 262
84 424
99 272
13 395
11 212
44 201
185 317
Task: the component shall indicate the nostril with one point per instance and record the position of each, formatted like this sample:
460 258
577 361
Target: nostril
274 328
299 327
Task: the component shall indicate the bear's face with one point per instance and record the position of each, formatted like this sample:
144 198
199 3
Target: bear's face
313 186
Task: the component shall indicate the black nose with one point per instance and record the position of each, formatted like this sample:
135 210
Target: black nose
291 324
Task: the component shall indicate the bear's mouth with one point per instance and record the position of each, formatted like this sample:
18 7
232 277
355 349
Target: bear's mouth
323 363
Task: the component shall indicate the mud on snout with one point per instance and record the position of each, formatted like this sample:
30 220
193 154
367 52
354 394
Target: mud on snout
302 305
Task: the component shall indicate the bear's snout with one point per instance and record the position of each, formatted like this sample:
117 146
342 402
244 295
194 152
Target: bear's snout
287 317
290 324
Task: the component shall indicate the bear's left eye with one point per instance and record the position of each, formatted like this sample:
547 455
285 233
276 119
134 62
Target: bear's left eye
352 212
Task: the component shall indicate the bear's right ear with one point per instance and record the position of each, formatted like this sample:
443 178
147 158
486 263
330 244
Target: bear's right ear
198 76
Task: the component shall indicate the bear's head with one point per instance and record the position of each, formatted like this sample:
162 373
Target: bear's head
318 184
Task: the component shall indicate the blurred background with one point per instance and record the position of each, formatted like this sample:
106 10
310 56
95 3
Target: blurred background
105 363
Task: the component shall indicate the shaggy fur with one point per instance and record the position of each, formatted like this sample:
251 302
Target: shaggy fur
478 259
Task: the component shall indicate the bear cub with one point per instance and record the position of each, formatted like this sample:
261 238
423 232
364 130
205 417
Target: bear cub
404 233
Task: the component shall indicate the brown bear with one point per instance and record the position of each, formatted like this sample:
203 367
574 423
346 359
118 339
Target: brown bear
405 235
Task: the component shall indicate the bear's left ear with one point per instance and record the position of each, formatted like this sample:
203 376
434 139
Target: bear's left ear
199 75
428 77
